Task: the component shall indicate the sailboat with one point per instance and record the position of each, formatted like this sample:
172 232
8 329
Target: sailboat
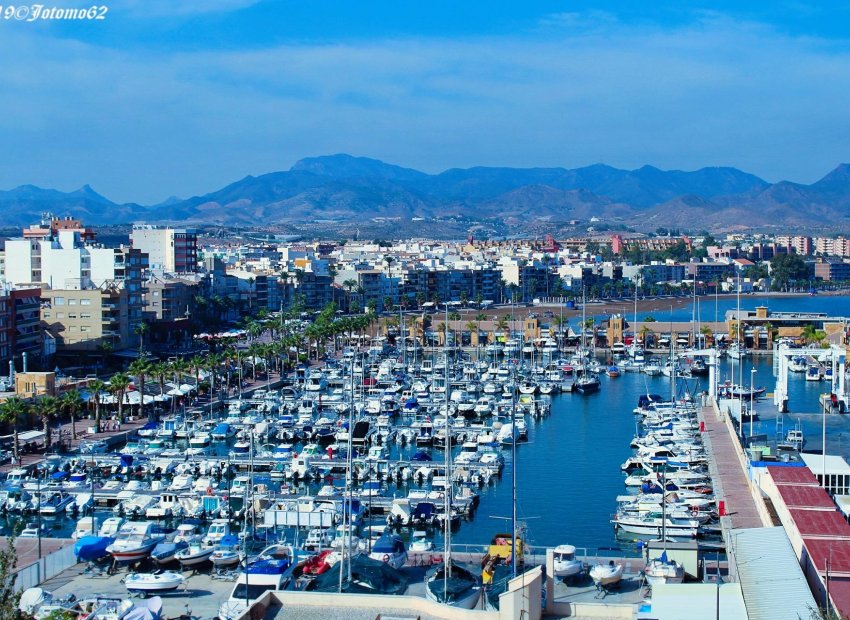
450 582
588 382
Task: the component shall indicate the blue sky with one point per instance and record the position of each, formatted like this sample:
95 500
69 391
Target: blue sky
171 97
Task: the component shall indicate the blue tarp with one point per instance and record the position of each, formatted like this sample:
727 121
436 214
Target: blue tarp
58 475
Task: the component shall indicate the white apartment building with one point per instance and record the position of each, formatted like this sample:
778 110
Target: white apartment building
172 250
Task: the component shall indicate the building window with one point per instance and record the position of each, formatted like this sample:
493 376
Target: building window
59 301
84 328
46 315
72 315
72 302
60 315
85 302
84 315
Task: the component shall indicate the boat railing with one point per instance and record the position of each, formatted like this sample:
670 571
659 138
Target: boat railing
536 554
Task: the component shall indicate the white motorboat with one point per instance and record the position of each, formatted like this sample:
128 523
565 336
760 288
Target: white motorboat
606 575
144 584
194 555
134 541
566 564
663 570
420 542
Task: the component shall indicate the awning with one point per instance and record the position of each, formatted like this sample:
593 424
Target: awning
30 436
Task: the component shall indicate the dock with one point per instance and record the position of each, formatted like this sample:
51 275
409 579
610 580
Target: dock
727 466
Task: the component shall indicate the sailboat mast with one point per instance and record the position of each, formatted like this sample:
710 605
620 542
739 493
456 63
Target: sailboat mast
513 481
447 488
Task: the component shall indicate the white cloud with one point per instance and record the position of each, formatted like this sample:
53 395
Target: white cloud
142 126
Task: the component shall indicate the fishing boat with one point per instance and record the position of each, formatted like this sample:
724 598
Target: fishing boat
608 575
566 564
144 584
134 541
226 552
193 555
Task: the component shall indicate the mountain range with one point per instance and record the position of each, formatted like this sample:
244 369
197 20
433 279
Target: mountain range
343 187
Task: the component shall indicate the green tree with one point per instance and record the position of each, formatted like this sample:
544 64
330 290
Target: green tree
118 385
47 408
73 403
10 596
142 329
141 368
786 269
96 387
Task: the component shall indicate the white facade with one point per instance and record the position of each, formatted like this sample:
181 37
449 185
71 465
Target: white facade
156 243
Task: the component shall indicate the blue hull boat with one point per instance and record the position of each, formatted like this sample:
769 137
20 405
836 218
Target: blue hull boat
91 548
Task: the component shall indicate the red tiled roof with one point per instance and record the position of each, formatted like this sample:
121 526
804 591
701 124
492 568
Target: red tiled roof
839 592
812 498
836 551
793 475
820 524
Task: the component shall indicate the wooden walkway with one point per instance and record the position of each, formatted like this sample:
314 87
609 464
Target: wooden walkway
731 484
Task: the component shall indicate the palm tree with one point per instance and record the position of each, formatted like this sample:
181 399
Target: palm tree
160 371
97 386
47 407
140 368
142 329
118 385
707 334
73 402
196 364
12 410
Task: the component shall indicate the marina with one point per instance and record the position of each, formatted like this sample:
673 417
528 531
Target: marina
291 466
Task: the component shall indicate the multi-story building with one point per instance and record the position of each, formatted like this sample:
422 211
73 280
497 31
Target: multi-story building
91 294
800 244
172 250
832 269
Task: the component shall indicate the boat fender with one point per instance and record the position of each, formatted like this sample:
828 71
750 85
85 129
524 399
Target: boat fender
694 510
386 558
209 490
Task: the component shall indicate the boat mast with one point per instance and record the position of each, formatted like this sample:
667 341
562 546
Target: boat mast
513 481
447 488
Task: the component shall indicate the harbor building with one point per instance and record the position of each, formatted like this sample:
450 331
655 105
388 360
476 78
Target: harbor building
761 327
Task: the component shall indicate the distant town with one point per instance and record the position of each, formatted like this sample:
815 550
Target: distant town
70 300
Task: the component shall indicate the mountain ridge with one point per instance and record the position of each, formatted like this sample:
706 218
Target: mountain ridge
344 187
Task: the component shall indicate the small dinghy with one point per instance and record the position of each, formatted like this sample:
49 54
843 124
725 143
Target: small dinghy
144 584
606 575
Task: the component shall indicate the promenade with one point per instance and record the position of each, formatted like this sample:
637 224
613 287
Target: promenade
114 434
